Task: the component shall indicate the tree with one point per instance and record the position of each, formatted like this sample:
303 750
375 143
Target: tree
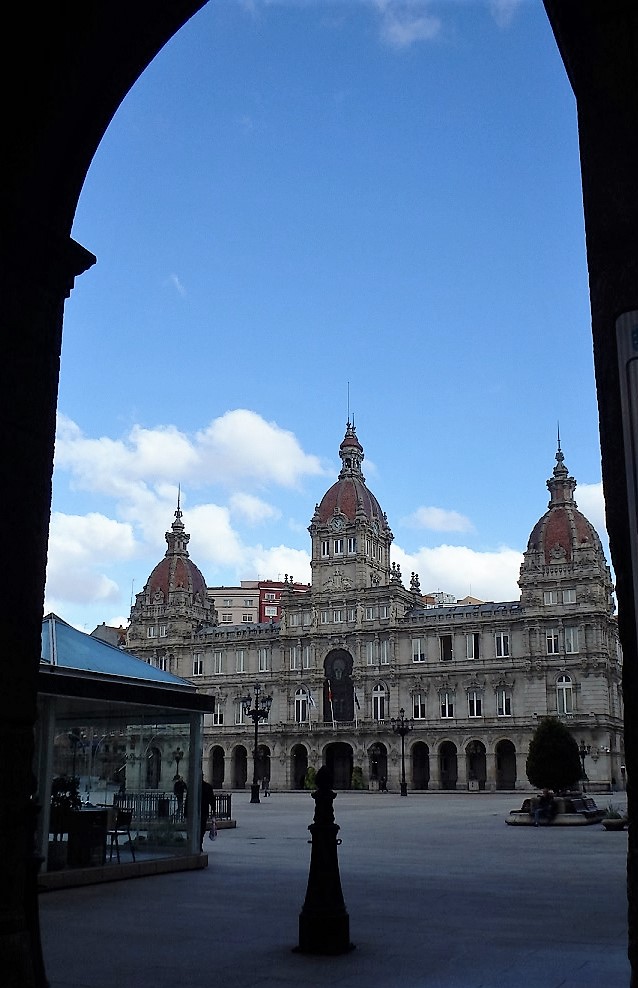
553 761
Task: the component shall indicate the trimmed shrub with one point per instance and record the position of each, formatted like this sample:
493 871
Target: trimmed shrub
553 761
310 778
357 778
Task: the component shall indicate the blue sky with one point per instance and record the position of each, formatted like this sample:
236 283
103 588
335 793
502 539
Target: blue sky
309 209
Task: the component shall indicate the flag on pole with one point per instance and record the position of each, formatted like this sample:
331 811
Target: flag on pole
357 706
311 699
332 710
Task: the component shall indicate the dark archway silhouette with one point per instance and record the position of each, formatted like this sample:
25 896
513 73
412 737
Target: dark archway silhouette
505 765
339 759
420 759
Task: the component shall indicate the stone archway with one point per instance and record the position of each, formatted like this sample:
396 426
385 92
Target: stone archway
340 760
239 767
505 764
448 765
420 763
476 763
217 767
298 766
378 763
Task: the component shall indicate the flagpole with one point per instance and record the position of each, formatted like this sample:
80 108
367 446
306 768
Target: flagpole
356 705
332 709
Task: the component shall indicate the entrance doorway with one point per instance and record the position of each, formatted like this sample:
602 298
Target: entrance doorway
476 763
505 765
240 767
298 766
448 766
217 770
420 756
339 760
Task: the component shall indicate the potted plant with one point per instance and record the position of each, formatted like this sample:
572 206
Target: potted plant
613 819
65 798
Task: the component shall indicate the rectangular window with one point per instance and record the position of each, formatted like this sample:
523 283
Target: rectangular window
338 547
308 662
161 663
368 547
151 632
571 639
337 616
569 595
370 656
218 716
447 704
352 546
198 664
227 618
248 602
240 717
551 636
294 619
472 645
352 614
293 654
269 596
384 611
418 650
227 602
162 631
550 596
418 706
270 610
503 703
239 660
247 618
474 704
384 652
369 614
501 644
218 663
325 617
325 548
262 660
445 645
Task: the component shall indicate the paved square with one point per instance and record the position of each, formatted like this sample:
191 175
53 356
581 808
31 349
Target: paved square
439 891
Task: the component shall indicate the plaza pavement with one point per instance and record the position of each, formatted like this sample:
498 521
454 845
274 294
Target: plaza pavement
439 891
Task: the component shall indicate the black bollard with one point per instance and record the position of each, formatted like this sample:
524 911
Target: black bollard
324 924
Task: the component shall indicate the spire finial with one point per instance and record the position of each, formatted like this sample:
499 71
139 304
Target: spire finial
558 434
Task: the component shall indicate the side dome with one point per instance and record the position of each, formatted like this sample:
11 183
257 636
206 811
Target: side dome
564 549
176 573
563 530
349 495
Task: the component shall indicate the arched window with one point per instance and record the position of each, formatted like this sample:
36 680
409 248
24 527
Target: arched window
564 695
379 702
302 708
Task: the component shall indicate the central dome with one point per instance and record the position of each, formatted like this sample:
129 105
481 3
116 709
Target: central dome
349 496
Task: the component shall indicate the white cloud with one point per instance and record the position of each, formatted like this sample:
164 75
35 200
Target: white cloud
460 570
252 509
241 444
504 11
236 446
276 562
439 520
174 281
591 501
80 548
405 22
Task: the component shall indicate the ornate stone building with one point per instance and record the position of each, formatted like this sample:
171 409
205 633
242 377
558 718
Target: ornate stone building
357 648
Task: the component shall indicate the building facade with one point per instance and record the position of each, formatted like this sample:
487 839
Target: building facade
356 650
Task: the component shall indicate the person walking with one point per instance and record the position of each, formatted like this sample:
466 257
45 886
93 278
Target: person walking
207 809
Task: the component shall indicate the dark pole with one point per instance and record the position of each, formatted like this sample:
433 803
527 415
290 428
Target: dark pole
582 751
324 924
258 711
401 725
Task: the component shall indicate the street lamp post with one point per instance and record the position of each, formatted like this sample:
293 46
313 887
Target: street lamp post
584 750
178 754
257 709
402 725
